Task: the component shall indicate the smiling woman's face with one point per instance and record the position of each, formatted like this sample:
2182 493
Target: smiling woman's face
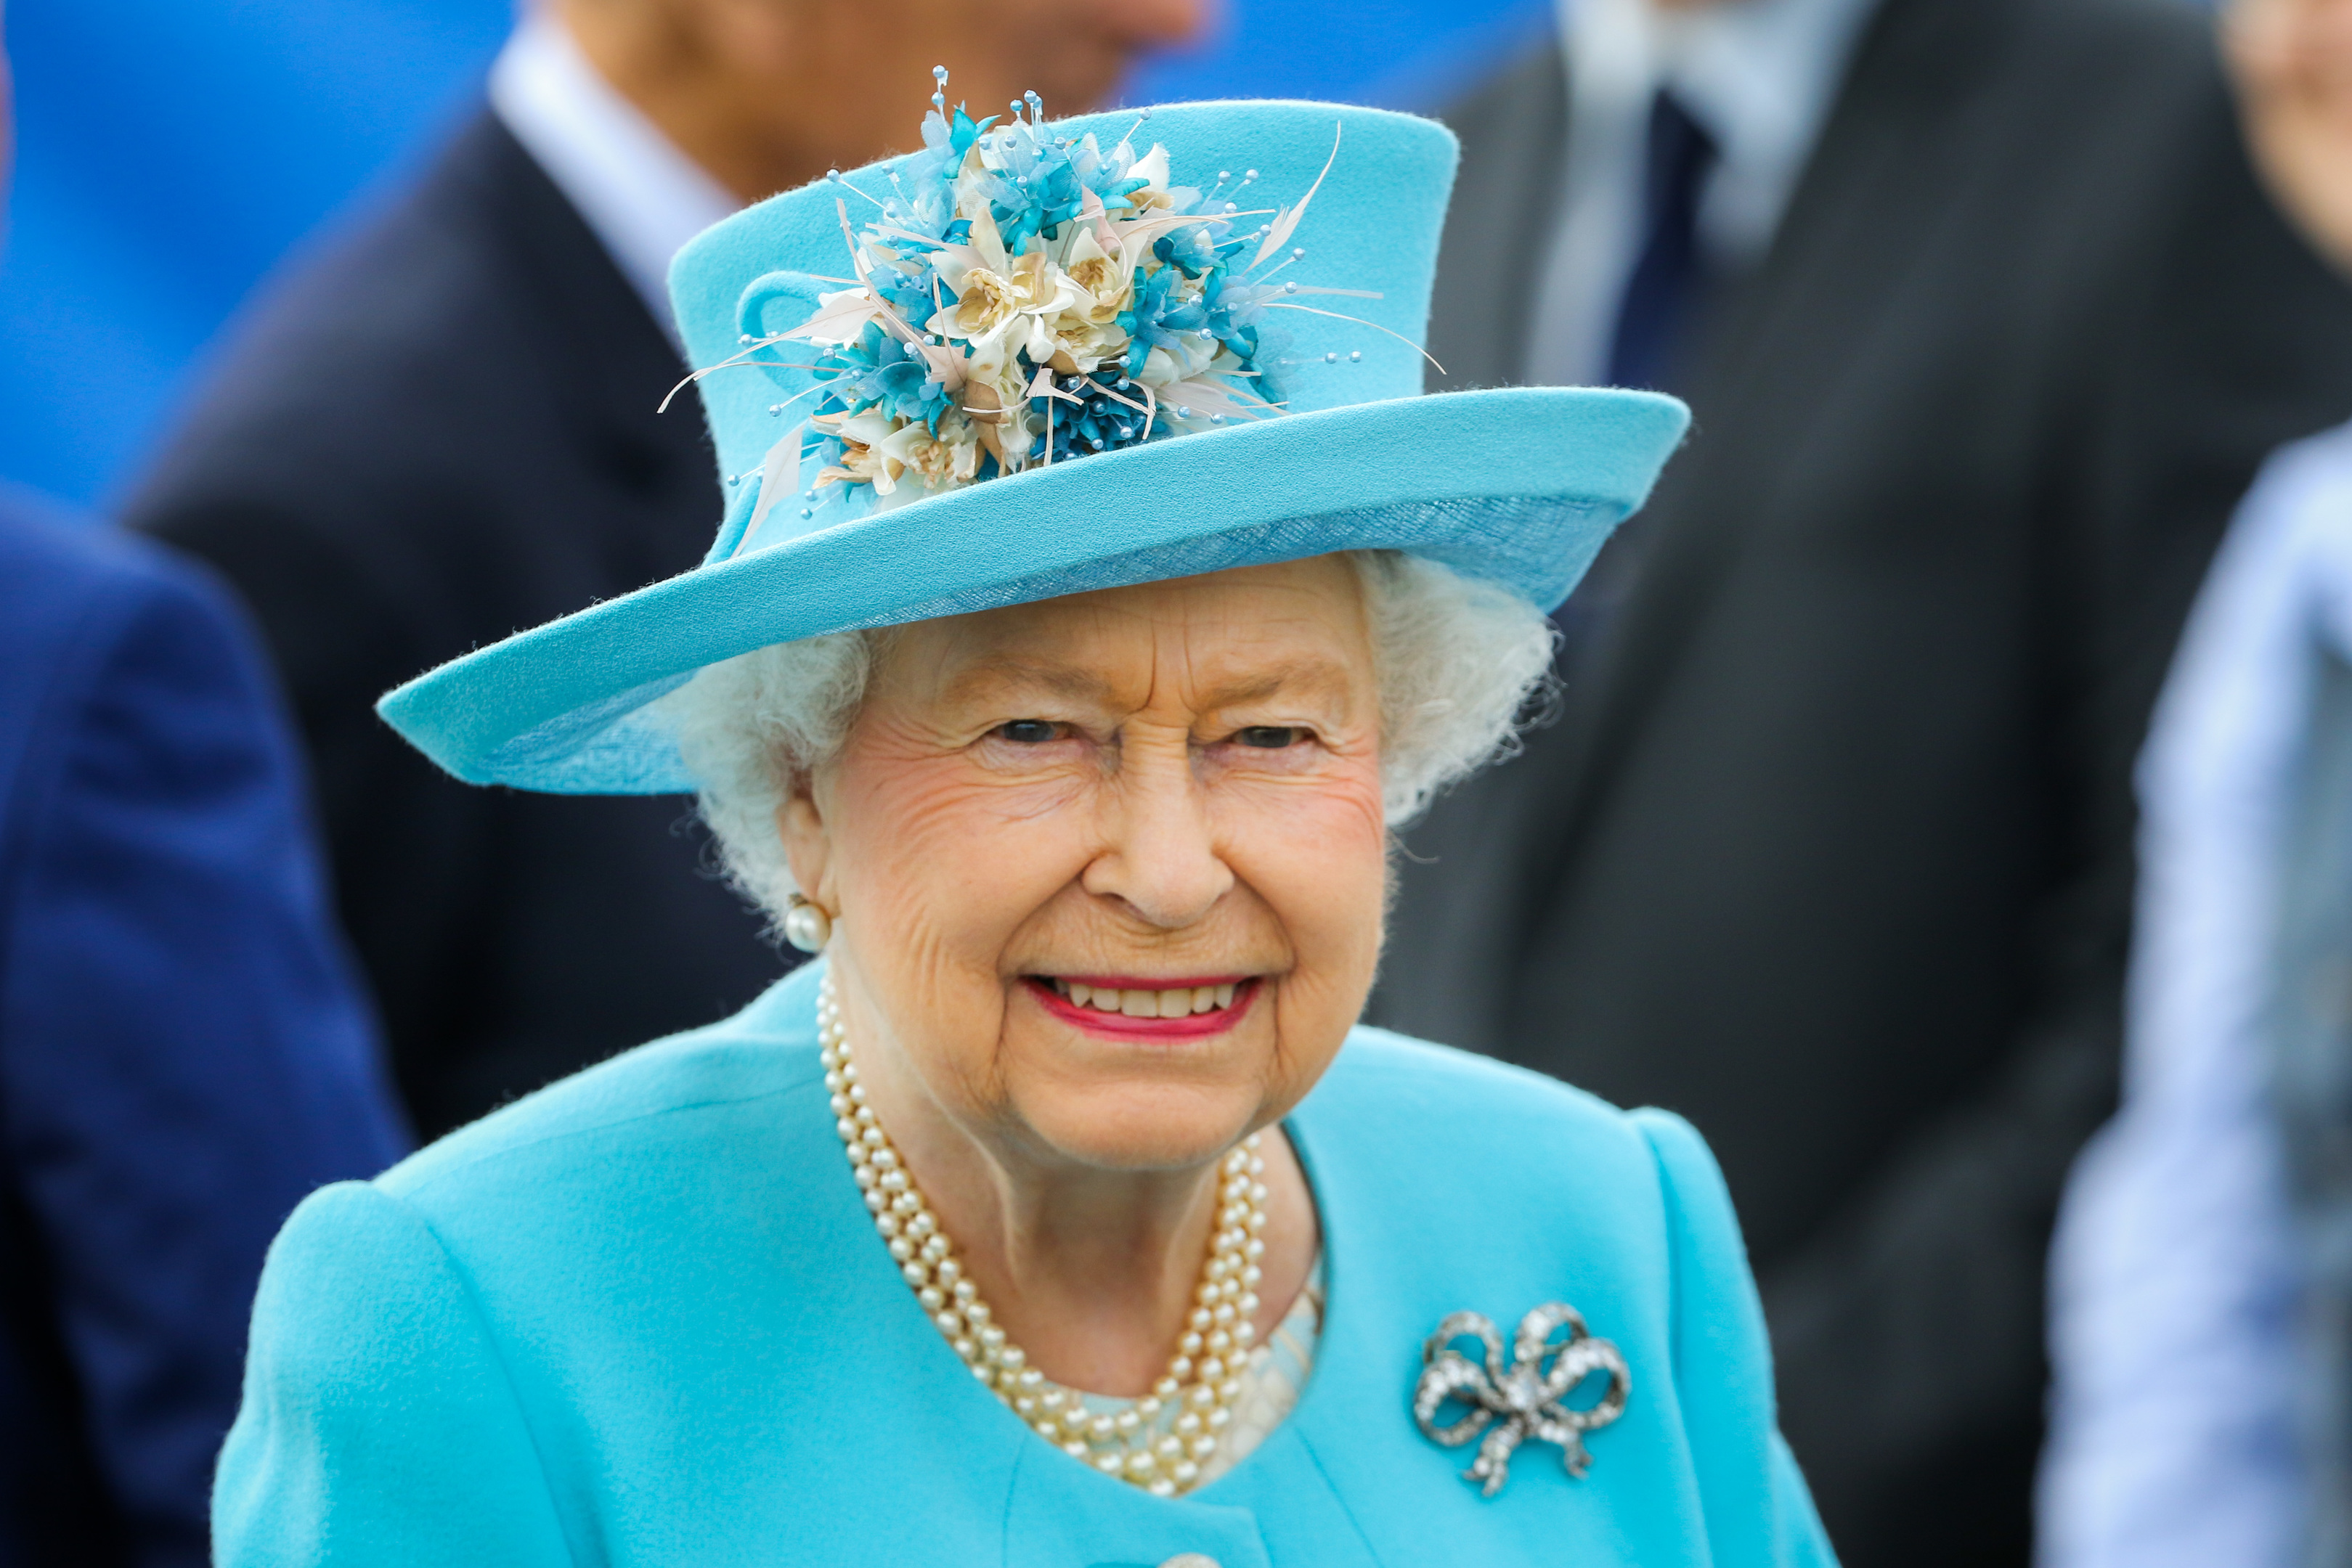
1055 825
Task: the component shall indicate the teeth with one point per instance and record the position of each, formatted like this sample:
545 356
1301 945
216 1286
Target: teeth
1178 1002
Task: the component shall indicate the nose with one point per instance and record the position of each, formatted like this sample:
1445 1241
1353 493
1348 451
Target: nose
1160 856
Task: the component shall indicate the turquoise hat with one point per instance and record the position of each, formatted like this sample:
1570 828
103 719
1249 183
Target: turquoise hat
1041 358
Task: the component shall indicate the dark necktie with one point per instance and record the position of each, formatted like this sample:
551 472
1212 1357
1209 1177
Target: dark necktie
1670 274
1662 295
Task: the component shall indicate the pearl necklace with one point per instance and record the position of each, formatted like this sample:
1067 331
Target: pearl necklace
1203 1377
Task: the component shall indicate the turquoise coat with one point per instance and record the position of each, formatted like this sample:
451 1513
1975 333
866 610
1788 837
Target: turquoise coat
642 1318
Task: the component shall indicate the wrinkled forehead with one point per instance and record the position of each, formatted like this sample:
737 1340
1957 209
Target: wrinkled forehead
1294 628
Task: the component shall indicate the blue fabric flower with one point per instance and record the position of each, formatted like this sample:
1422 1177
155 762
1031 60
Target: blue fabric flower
1107 174
1044 298
944 146
1037 191
1189 250
1098 422
880 370
1232 309
930 217
1157 316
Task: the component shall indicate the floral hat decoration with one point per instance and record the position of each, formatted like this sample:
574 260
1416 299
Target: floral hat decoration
1038 358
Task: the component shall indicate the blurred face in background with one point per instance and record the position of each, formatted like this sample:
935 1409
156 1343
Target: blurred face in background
769 94
2292 60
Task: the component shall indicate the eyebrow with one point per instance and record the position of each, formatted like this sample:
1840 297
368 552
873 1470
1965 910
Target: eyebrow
1061 680
1318 677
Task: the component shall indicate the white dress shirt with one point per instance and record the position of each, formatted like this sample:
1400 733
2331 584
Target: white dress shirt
2173 1421
1760 75
642 196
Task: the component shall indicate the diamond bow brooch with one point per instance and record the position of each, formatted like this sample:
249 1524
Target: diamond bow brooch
1528 1398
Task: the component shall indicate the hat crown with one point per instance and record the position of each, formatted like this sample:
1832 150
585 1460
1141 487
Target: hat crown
1371 229
1518 486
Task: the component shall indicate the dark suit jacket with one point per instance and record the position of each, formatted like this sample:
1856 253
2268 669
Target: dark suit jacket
440 431
1832 850
184 1051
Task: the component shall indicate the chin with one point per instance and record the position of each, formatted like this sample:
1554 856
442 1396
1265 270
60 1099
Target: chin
1142 1127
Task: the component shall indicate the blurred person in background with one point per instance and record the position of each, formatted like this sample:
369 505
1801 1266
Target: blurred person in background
1986 325
2201 1283
183 1052
445 427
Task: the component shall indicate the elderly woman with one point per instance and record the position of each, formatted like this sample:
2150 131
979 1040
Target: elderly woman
1088 609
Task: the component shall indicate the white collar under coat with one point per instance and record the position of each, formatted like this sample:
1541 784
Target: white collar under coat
642 196
1761 76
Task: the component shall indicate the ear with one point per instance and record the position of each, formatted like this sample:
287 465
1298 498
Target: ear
808 844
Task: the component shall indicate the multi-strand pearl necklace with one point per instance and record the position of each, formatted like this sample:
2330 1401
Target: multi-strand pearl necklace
1143 1443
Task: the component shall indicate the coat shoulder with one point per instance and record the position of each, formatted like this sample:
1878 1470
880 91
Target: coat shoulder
1432 1105
389 362
770 1049
393 307
86 609
53 566
1446 1081
1523 98
637 1102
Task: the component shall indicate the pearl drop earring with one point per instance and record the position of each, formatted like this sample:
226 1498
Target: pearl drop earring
806 926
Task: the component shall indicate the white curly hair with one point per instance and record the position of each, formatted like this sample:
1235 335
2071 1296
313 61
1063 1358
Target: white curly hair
1460 663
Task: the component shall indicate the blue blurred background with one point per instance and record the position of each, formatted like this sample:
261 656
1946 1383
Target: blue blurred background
171 152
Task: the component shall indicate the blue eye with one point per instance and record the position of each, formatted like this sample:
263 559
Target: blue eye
1030 731
1269 736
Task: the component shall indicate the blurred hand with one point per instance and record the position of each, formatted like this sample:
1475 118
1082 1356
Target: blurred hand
2293 63
769 94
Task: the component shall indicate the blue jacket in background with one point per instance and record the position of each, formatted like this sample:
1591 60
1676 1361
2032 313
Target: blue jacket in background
182 1052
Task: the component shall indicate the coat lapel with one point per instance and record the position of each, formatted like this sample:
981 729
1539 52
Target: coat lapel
1498 226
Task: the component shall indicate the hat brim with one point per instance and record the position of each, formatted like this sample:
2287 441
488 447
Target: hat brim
1516 486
